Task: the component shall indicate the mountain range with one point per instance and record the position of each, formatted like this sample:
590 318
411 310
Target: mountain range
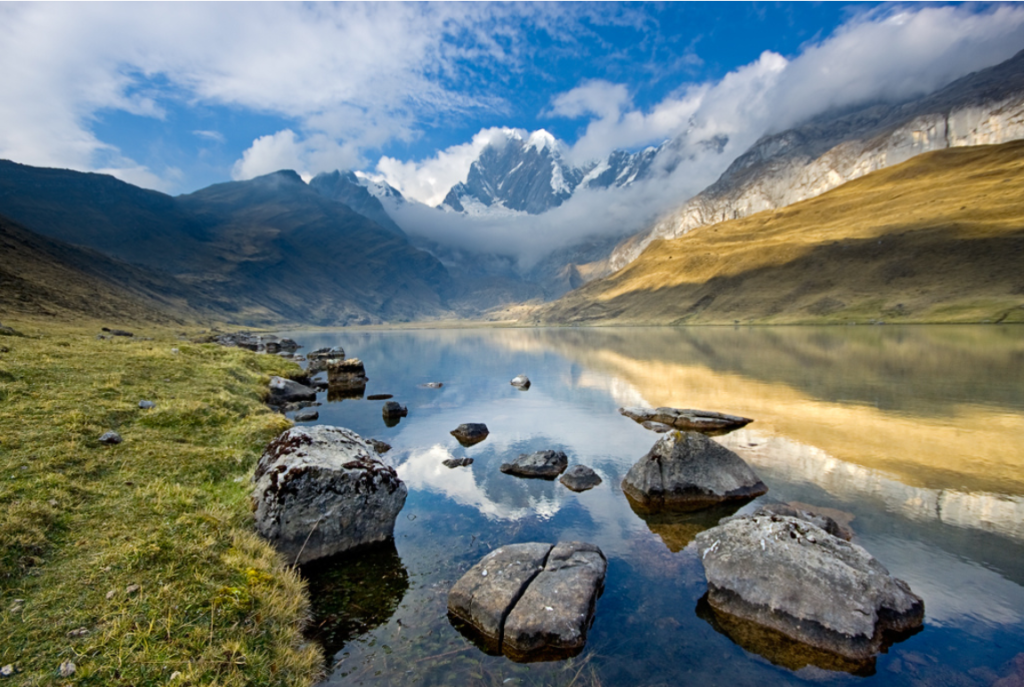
341 249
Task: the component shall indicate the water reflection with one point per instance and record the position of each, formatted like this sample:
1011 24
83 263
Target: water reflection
677 529
914 432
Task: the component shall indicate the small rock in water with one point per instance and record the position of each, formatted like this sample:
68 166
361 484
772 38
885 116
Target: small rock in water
458 462
432 385
545 464
307 415
393 409
688 420
521 382
67 669
147 405
379 397
470 433
580 478
7 670
111 438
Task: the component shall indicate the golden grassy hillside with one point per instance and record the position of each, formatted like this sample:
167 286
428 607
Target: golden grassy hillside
939 238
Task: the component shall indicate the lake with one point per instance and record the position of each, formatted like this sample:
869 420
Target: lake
914 435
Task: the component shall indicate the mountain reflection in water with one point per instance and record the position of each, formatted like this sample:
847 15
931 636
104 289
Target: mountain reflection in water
914 432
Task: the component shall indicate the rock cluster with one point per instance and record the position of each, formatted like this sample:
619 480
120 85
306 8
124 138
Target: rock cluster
793 577
531 601
321 490
689 420
261 343
688 471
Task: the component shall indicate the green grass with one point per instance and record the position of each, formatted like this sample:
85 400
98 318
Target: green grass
82 523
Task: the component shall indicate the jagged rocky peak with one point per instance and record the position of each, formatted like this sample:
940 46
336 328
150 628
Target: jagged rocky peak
361 193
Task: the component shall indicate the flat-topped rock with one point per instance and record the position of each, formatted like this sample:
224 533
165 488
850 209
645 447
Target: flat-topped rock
580 478
531 601
689 471
288 391
688 420
791 576
321 490
470 433
544 464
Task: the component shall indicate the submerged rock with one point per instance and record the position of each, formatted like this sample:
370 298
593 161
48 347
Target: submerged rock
470 433
531 601
521 382
795 578
580 478
688 471
545 464
689 420
284 391
321 490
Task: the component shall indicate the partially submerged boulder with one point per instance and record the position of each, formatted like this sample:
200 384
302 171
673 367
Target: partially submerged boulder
470 433
689 471
580 478
795 578
688 420
284 391
544 464
321 490
531 601
394 410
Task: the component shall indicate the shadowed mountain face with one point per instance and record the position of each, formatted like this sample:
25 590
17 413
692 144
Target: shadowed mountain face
270 249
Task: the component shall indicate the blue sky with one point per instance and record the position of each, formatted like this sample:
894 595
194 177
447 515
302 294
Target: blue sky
179 96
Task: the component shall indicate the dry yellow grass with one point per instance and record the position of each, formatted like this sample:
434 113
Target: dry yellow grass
939 238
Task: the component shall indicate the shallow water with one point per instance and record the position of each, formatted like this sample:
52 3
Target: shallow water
915 434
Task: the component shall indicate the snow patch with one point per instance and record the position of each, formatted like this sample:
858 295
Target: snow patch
558 184
542 140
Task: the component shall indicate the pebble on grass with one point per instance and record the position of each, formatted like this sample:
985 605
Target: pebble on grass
67 669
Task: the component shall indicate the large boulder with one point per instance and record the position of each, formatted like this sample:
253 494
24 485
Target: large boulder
544 464
288 391
688 420
531 601
689 471
321 490
793 577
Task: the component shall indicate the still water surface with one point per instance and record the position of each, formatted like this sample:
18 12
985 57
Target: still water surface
915 435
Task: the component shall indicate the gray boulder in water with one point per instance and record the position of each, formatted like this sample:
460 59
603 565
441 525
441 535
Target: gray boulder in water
470 433
580 478
689 471
793 577
545 464
321 490
688 420
532 601
288 391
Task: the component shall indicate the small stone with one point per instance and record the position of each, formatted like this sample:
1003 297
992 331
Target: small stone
175 675
175 351
7 670
580 478
52 502
67 669
432 385
458 462
521 382
111 594
132 588
470 433
307 415
111 438
147 405
80 632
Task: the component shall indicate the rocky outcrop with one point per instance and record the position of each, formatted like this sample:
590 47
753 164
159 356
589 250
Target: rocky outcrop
688 420
986 107
688 471
322 490
531 601
795 578
470 433
284 391
545 464
580 478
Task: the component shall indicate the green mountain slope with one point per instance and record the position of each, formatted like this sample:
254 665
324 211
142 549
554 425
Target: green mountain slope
939 238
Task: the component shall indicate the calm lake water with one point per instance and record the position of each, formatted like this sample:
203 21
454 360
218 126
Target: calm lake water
915 435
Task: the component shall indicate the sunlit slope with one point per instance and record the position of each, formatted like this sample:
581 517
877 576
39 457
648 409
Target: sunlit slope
939 238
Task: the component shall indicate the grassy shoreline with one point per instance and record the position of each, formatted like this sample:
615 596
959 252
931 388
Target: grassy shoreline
138 562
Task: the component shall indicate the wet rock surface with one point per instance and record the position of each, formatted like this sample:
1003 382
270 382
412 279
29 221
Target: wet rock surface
580 478
322 490
284 391
544 464
470 433
689 471
689 420
793 577
531 601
